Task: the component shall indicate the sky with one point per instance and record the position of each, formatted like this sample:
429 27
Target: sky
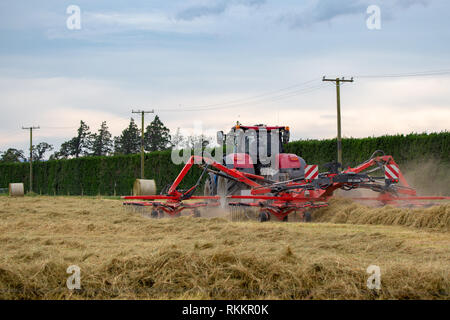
210 63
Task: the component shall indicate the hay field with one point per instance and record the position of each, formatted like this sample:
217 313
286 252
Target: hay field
123 255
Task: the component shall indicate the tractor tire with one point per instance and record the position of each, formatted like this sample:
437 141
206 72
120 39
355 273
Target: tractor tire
227 187
234 188
222 191
208 189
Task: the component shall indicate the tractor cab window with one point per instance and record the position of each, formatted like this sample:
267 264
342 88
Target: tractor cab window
255 142
246 141
251 145
270 141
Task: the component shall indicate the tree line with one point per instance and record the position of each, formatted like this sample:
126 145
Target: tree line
423 157
157 137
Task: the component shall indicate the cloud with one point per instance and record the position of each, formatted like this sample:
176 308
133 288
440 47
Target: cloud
98 26
202 20
327 10
199 11
194 12
58 104
410 3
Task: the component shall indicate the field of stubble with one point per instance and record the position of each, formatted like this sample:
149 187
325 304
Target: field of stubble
123 255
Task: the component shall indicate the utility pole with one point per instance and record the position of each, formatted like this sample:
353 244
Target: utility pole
142 137
338 98
31 154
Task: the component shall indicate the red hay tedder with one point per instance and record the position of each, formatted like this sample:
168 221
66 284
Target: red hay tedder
280 186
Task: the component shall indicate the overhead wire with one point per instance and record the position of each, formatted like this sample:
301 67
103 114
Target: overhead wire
410 74
271 95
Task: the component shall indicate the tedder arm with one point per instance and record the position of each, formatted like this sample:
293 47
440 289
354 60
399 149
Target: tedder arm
283 197
174 198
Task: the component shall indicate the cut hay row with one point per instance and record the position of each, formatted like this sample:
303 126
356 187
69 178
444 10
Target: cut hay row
347 211
208 273
124 255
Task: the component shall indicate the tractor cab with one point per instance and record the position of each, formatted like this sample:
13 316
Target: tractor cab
244 139
257 149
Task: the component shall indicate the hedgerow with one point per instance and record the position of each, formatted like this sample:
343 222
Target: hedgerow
114 175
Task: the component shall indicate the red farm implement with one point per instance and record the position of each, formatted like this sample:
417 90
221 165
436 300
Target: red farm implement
243 181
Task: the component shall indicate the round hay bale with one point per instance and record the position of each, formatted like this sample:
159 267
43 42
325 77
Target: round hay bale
16 190
144 187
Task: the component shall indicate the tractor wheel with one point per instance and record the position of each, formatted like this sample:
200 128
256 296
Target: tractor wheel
227 187
222 191
264 216
209 187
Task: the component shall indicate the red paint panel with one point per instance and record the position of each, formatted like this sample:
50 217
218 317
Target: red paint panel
239 160
288 161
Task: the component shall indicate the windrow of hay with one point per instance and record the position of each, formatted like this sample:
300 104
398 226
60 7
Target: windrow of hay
123 255
172 274
343 210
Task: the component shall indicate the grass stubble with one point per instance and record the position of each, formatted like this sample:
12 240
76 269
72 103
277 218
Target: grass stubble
123 255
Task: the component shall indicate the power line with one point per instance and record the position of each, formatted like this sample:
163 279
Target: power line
57 128
271 95
411 74
274 98
295 94
239 102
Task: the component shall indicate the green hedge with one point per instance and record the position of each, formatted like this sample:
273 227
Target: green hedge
403 148
115 175
95 175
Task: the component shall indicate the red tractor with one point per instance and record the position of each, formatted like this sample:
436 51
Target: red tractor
255 150
256 174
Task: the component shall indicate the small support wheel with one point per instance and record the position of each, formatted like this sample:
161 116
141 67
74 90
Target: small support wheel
197 213
285 218
264 216
307 216
154 214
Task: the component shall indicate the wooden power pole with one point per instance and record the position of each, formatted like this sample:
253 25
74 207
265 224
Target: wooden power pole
142 137
338 98
31 154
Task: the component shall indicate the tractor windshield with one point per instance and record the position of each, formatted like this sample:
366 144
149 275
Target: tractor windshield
256 142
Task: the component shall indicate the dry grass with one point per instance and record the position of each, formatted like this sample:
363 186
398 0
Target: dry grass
347 211
124 255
